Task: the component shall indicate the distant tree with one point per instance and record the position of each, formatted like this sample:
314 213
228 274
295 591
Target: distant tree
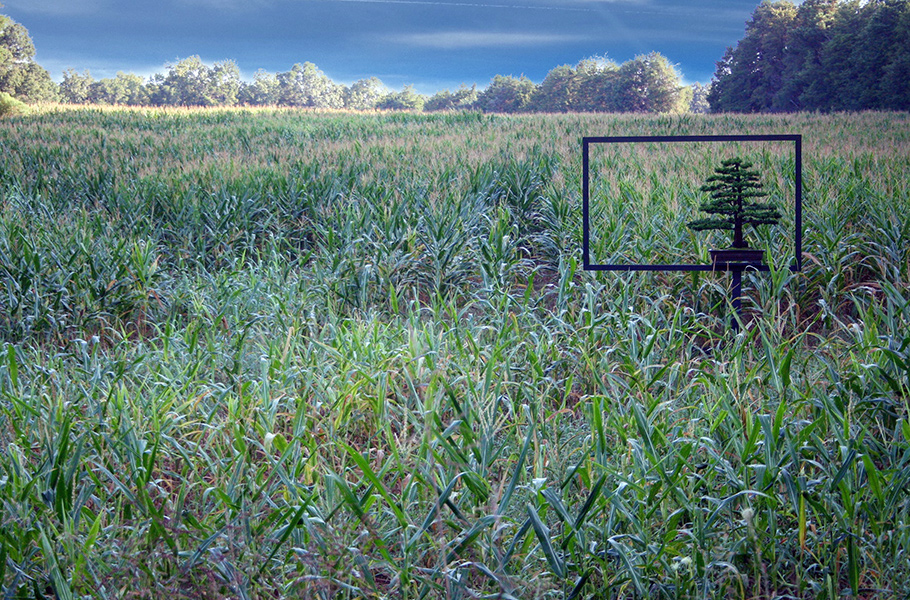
32 83
598 85
684 99
648 83
441 100
506 95
558 92
725 95
20 75
182 85
463 98
76 88
262 91
802 57
699 101
824 55
306 85
877 47
364 94
406 99
125 88
192 83
748 76
835 87
16 50
224 83
895 82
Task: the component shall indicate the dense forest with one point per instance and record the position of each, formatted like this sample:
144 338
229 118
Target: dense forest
825 55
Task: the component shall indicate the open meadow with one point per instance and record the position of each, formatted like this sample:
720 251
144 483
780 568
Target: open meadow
287 354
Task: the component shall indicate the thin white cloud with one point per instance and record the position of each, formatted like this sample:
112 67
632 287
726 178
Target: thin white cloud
547 6
456 40
231 5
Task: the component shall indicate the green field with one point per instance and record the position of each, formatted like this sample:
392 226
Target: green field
286 354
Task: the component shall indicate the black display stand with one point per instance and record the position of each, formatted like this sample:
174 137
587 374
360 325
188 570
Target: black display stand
735 264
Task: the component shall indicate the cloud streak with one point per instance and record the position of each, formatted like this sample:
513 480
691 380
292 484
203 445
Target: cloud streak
231 5
457 40
467 4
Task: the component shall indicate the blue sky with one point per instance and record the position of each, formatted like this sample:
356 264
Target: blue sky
431 44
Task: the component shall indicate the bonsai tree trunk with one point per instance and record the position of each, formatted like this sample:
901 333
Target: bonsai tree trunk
738 241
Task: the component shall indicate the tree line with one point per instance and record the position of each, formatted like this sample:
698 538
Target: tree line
824 55
648 83
645 84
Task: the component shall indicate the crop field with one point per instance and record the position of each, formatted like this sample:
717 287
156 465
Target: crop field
285 354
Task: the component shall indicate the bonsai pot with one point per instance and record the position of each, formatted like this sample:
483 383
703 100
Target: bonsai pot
742 256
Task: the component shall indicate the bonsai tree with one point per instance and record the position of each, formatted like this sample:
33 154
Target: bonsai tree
733 189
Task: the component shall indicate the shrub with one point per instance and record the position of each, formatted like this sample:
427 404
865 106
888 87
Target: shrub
9 106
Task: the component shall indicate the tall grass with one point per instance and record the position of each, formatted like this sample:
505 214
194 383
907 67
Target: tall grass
276 353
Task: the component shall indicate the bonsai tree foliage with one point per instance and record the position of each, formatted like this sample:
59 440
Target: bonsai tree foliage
733 189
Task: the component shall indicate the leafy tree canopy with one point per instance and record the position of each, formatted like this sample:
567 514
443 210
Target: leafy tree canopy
463 98
76 88
263 90
506 94
191 82
306 85
20 75
821 55
406 99
649 83
364 94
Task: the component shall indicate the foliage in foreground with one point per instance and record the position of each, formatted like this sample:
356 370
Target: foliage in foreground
9 106
275 354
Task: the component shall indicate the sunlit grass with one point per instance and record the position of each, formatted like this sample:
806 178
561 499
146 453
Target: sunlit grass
276 353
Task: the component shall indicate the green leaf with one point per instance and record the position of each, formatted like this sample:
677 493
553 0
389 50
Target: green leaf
519 536
470 535
431 516
556 502
288 530
784 368
13 366
543 536
516 472
377 483
844 469
627 562
589 502
853 564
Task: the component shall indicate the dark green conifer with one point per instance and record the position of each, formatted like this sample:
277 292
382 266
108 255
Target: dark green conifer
732 190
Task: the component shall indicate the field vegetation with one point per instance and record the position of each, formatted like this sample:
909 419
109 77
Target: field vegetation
271 353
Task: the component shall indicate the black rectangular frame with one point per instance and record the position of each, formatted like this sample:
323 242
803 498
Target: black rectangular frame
798 224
